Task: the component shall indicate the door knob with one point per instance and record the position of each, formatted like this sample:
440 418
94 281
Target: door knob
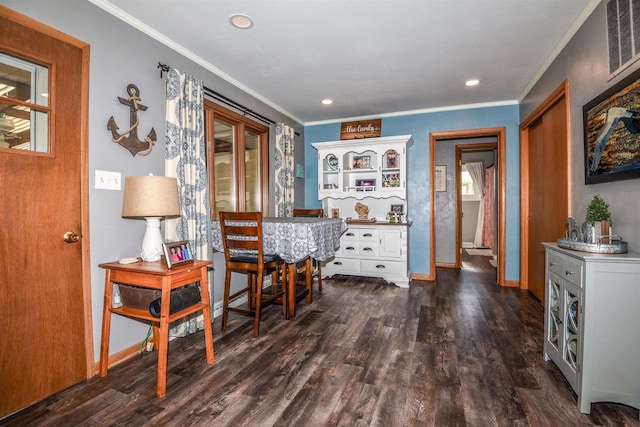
70 237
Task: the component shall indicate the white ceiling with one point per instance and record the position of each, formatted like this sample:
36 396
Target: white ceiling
372 57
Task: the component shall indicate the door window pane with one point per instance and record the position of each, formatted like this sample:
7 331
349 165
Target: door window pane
252 171
224 185
24 102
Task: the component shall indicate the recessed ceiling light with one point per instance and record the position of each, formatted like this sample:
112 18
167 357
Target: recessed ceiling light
241 21
472 82
327 101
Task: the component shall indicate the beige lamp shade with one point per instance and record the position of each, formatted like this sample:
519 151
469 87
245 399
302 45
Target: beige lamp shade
150 196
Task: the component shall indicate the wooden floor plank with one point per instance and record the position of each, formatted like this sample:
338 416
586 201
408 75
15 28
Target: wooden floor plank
454 352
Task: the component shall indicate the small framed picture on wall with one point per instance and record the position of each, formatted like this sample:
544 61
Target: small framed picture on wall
441 178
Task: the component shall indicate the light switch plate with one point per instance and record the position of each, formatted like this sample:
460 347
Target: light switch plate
106 180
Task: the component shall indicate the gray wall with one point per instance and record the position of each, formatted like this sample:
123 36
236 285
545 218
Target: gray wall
120 55
584 63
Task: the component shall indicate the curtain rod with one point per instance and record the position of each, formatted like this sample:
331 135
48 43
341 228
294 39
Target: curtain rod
164 68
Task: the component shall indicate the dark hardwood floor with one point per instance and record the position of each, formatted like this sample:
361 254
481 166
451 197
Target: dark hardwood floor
459 351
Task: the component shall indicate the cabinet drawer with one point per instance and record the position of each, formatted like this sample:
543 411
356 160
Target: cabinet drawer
368 235
342 264
368 249
360 249
572 271
360 235
555 263
381 267
348 248
351 235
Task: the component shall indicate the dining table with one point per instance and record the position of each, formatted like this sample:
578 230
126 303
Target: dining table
294 239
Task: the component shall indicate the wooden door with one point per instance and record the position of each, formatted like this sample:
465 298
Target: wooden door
536 211
547 191
44 304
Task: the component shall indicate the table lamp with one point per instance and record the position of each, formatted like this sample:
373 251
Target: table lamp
152 198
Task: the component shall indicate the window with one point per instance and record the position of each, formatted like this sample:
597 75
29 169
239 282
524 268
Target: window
237 161
466 183
24 105
467 187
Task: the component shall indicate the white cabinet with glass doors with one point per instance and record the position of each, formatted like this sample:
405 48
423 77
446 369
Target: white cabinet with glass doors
375 167
591 323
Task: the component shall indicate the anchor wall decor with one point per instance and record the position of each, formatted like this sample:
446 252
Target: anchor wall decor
129 138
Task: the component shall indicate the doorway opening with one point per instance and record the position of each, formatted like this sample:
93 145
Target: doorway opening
476 205
441 219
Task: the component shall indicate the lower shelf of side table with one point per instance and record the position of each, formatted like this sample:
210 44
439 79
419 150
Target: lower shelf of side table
146 315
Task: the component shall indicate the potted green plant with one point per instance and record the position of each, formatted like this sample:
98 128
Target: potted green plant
598 211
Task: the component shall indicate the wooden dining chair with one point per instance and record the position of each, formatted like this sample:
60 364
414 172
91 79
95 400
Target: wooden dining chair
243 252
312 267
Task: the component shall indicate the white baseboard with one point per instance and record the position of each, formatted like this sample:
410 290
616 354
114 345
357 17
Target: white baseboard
217 307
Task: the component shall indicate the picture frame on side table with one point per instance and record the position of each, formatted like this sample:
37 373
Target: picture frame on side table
441 178
177 253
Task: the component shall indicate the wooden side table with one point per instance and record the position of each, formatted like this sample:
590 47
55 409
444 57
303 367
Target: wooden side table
156 275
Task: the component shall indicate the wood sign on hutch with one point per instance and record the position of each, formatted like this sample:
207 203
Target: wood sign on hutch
361 129
370 172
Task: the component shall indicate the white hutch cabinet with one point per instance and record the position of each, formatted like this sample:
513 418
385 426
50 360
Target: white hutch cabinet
372 172
591 323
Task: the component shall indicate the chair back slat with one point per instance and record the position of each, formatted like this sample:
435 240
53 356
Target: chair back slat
312 213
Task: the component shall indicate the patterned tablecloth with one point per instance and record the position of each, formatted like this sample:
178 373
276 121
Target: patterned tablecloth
294 239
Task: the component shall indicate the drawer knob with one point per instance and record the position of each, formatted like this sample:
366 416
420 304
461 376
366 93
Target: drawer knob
553 264
350 234
337 263
380 266
349 248
568 272
367 234
367 249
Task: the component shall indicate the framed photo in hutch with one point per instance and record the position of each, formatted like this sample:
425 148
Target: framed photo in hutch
361 162
391 159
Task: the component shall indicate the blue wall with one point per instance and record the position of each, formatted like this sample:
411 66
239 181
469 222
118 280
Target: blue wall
420 126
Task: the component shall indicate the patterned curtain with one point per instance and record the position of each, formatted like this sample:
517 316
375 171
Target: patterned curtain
185 159
284 164
488 238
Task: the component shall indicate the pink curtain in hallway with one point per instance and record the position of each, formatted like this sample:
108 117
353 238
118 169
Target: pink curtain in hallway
488 238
